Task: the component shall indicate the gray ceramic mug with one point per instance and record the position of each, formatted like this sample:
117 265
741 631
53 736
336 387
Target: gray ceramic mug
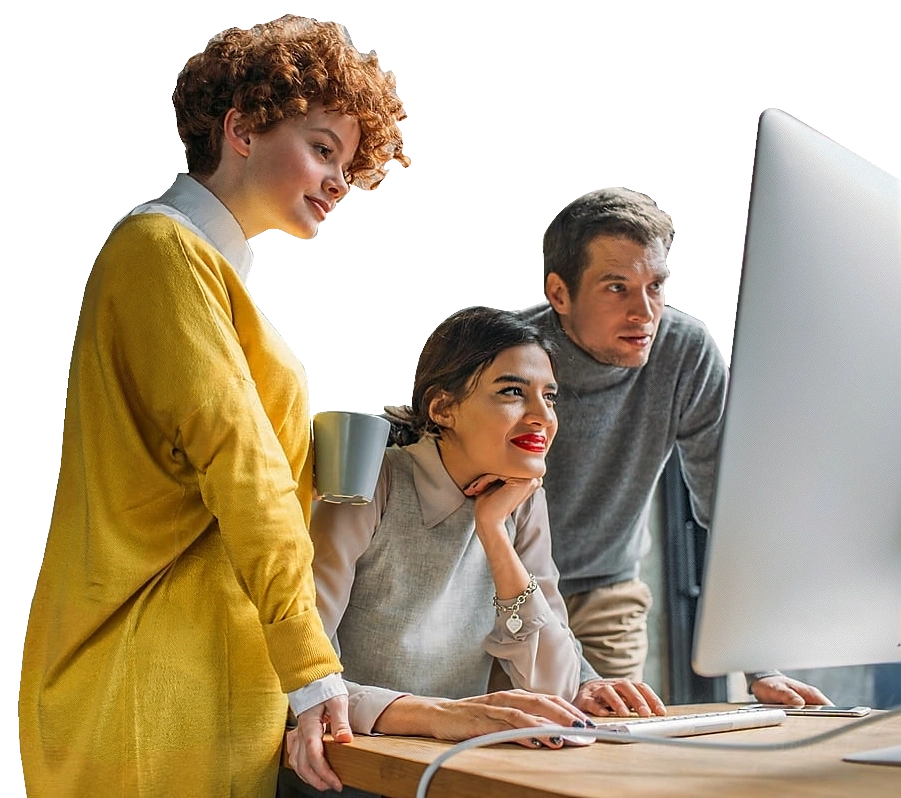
348 449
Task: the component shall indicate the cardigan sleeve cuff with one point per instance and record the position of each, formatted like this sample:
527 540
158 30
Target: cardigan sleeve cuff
300 651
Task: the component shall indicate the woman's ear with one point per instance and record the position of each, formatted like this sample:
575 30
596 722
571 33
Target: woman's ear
441 409
236 134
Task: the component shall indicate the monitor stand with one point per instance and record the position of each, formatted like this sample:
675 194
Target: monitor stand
877 756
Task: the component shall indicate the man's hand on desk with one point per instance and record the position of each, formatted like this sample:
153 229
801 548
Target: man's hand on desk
306 753
780 689
618 697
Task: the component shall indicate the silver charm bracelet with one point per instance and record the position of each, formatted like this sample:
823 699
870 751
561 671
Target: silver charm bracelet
514 622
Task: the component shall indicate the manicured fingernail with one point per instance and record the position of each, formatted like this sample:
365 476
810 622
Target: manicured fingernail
578 724
555 740
590 723
536 742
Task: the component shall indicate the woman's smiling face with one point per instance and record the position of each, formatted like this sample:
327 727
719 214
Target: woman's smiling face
506 423
295 172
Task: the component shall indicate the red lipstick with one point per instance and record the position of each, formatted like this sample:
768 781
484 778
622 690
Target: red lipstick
533 442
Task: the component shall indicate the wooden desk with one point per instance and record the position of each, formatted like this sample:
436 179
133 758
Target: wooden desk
392 766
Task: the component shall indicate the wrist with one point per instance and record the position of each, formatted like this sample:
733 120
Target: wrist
408 715
493 536
750 678
514 622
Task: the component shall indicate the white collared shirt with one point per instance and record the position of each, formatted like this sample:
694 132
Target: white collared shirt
197 208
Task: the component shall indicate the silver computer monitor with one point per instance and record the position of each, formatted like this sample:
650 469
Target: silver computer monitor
803 566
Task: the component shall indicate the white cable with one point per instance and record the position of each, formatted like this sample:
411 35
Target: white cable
600 734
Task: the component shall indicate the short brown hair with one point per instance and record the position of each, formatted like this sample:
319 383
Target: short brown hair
273 72
618 212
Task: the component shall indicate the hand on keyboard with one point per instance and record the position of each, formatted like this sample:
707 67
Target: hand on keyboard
618 697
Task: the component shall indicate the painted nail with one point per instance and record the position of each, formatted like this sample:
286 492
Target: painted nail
578 724
590 723
536 742
555 740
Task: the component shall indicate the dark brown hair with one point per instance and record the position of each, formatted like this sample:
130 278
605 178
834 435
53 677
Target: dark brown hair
605 212
273 72
454 357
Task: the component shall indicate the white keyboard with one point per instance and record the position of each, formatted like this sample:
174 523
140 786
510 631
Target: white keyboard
699 723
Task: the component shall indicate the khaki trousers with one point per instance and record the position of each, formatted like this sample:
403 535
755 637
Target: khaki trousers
611 623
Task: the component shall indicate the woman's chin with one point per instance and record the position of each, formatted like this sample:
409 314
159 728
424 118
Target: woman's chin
529 470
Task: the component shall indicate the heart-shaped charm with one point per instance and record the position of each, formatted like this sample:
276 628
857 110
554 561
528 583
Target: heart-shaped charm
514 623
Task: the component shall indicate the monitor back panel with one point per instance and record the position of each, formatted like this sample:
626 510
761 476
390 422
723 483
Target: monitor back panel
804 559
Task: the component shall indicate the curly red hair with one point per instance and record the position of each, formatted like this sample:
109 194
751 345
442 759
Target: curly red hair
274 71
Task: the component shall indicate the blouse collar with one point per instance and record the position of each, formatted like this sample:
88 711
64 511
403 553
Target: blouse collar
439 497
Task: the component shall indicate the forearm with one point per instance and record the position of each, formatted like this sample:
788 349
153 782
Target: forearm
543 655
509 574
411 716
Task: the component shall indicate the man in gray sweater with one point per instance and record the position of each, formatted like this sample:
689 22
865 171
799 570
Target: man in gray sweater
637 379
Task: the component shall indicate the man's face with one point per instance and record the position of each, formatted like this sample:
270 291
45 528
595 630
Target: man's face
616 311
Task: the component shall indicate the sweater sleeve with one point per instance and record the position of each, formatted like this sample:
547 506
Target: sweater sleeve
247 485
700 427
543 656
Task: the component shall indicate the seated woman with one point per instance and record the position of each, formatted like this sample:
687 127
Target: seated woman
450 567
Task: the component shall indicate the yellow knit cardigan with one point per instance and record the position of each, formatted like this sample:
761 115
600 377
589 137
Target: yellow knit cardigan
175 606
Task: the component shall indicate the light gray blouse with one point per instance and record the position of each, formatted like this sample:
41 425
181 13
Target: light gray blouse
405 590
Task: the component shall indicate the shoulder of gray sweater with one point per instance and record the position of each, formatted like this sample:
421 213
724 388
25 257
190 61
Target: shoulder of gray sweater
683 322
680 331
536 313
